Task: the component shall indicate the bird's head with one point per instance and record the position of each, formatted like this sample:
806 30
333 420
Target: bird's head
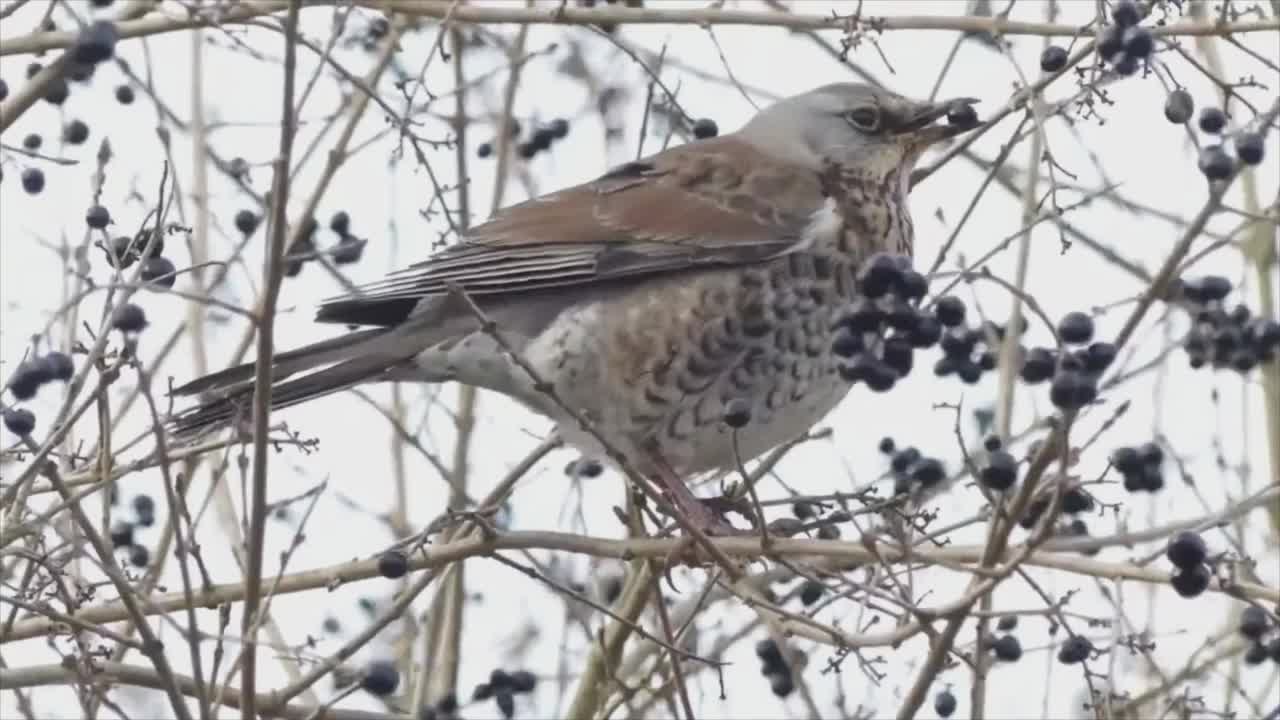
857 127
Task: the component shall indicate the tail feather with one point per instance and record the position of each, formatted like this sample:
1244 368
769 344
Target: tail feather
237 404
283 364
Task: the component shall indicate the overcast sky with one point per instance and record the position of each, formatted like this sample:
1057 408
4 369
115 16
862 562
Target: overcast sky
1150 159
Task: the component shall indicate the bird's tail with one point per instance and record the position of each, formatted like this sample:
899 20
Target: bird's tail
328 366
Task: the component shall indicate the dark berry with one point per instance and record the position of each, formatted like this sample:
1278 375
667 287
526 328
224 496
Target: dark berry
159 270
1037 366
57 92
128 318
847 343
559 128
928 472
393 564
1075 328
1214 287
962 115
1212 120
1007 623
704 128
1150 454
886 445
1127 460
768 652
58 366
144 505
1249 148
1187 550
139 556
506 703
19 421
944 703
1111 42
1215 163
1264 335
958 344
1033 513
949 310
33 180
246 222
1007 648
380 678
904 459
1190 582
737 413
97 42
1253 622
1099 356
32 142
97 217
27 379
1076 500
811 592
349 250
1072 390
523 681
121 534
1179 106
1125 13
484 150
926 333
1138 43
1075 649
124 95
803 510
340 223
1127 65
1000 472
76 132
913 285
879 275
483 691
1256 654
782 684
992 443
1053 58
526 150
898 355
542 139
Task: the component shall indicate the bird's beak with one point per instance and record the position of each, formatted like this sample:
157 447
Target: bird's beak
922 129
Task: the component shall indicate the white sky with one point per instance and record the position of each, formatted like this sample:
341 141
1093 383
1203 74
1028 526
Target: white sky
1136 147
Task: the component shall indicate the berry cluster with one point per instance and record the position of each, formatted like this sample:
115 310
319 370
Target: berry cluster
349 247
1215 162
1225 339
774 667
878 336
1006 647
1255 625
1188 553
123 251
911 468
540 140
1074 501
1073 371
122 531
999 471
1125 44
26 380
1140 466
503 687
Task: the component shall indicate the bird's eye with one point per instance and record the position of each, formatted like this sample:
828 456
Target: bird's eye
864 118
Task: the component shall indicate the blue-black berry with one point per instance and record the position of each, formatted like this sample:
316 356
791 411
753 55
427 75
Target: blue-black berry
737 413
1212 120
1187 550
1007 648
1253 622
1053 58
1191 581
1179 106
1125 13
246 222
128 318
704 128
1249 147
1001 471
380 678
33 180
96 43
393 564
1215 163
19 421
1075 649
944 703
159 270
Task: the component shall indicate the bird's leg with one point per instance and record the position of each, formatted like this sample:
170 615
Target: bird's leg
698 513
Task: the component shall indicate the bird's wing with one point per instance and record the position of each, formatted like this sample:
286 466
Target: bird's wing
714 203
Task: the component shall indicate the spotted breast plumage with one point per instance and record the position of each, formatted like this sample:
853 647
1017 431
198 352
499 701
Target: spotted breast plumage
651 298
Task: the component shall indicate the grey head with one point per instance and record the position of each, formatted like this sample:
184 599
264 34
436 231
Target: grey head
852 125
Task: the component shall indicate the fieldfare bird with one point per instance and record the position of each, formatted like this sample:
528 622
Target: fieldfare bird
648 299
